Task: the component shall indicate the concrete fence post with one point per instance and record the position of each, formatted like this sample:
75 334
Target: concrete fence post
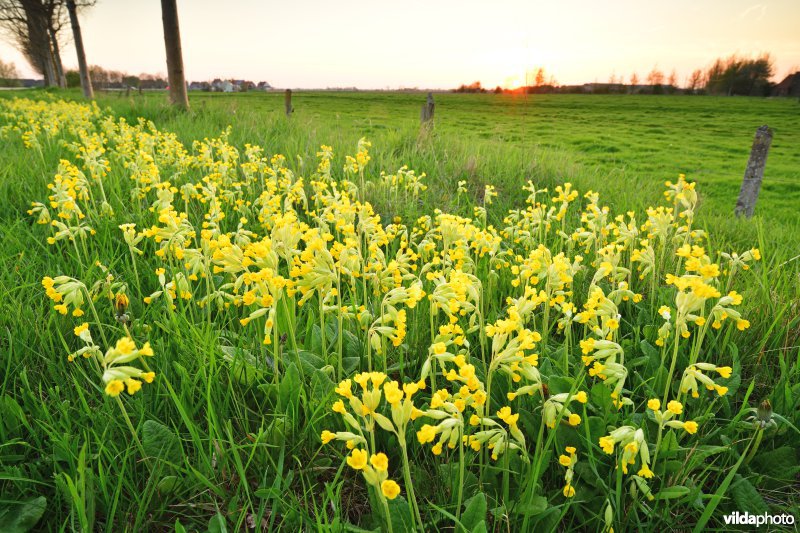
426 115
287 102
754 173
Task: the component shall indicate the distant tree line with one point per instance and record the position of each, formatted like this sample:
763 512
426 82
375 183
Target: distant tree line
740 76
734 75
115 79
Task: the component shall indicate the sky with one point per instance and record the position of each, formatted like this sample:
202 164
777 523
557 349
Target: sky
383 44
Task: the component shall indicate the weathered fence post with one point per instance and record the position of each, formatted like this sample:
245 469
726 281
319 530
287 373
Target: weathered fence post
287 102
426 115
754 174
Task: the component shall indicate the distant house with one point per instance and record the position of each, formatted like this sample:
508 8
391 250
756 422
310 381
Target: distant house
29 83
790 86
199 86
221 86
263 86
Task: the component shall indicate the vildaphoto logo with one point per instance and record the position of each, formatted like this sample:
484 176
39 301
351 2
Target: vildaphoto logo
746 519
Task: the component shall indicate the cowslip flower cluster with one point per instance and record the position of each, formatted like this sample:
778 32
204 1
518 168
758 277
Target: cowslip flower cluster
664 418
633 443
118 375
568 461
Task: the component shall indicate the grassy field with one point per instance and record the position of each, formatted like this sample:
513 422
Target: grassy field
231 433
622 146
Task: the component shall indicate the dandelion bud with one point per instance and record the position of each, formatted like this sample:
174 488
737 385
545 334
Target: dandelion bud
764 413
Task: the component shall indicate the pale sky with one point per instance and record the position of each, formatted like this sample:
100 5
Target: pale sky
436 43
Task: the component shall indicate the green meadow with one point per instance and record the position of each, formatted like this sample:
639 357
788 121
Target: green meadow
623 146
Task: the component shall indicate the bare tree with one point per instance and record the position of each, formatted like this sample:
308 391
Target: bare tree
33 25
8 74
539 80
673 78
655 77
634 79
695 80
86 80
172 43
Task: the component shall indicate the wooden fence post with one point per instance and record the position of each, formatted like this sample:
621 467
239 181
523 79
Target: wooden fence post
754 173
426 115
287 101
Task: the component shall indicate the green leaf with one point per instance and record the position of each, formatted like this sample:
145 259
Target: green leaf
311 362
20 517
537 505
400 513
779 465
672 493
746 496
243 365
560 384
217 524
289 389
480 527
168 484
159 441
600 396
649 350
475 512
321 385
448 473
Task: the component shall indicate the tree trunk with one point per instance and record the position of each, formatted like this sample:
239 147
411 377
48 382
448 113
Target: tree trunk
38 47
86 81
61 79
46 57
172 43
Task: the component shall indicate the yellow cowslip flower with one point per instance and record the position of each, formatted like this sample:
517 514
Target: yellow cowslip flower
587 345
654 404
146 350
607 444
724 371
574 419
690 427
505 415
392 392
645 472
569 491
114 387
357 459
742 324
80 329
338 407
125 346
379 462
675 407
564 460
134 385
327 436
344 389
390 489
426 434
